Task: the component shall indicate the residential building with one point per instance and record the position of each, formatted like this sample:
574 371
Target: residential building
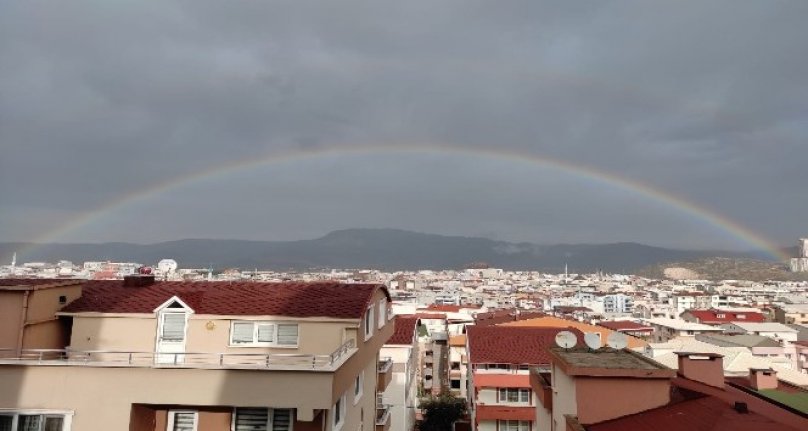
619 390
629 327
666 329
558 323
401 395
718 317
499 390
791 314
146 355
777 331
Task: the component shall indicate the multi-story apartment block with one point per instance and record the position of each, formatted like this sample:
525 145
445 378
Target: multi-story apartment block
499 389
683 301
618 304
217 356
401 395
792 314
666 329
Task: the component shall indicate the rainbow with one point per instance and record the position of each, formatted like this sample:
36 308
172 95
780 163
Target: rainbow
720 222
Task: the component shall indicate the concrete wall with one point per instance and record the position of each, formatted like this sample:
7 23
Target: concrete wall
487 426
601 399
565 398
11 310
488 396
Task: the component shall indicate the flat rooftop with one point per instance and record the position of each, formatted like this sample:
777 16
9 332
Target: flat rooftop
607 362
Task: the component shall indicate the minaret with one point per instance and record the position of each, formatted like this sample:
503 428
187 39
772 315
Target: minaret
14 264
566 276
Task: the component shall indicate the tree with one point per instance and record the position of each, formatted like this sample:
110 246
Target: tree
441 412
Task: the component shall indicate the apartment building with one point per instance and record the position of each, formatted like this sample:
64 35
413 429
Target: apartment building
28 309
499 390
620 390
718 316
683 301
791 313
401 353
667 329
146 355
773 330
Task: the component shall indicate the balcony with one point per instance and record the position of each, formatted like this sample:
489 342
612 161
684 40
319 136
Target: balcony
382 417
104 358
385 373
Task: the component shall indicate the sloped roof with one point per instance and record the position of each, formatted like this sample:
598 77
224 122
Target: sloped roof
293 299
556 322
700 414
513 345
624 325
501 381
404 331
721 316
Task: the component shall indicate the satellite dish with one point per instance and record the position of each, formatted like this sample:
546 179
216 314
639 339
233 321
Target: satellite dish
617 340
592 340
566 339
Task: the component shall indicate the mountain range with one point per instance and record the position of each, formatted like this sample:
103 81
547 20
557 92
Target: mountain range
386 249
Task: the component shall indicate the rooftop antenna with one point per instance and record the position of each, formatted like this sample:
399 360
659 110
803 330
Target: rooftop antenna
617 340
566 339
592 340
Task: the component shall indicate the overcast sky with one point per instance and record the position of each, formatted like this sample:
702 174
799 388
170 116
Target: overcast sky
706 100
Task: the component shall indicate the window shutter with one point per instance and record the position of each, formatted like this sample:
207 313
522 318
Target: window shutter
5 422
287 335
184 421
266 333
281 419
242 332
28 422
173 327
251 419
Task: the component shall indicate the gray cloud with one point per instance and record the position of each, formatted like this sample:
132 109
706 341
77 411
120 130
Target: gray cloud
707 100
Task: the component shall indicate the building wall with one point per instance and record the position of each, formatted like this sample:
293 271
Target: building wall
601 399
488 396
400 393
11 310
43 304
565 399
487 426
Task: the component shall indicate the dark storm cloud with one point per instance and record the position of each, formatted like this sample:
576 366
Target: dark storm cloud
706 99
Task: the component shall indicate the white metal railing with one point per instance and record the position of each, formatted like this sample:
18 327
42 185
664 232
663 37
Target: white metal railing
184 359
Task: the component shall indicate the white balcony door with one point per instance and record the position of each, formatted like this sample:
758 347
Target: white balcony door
171 333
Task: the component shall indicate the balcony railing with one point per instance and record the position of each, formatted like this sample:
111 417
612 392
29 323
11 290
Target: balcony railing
105 358
382 414
385 363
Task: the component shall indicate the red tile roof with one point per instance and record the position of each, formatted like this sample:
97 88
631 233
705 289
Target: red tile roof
625 325
36 283
501 380
404 331
321 299
712 316
702 414
490 413
450 308
513 345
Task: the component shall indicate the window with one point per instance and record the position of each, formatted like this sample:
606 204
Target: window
244 333
34 421
369 323
62 299
382 310
514 425
514 395
359 384
337 413
257 419
182 420
455 384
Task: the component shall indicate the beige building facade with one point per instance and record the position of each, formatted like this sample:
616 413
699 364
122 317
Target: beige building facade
185 368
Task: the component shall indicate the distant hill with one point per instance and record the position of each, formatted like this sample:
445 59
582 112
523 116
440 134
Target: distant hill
723 268
387 249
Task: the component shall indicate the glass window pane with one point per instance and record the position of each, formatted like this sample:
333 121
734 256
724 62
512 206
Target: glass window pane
28 422
287 335
5 422
184 421
281 419
242 332
251 419
266 333
53 423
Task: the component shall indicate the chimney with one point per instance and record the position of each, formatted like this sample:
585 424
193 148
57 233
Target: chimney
138 280
707 368
763 378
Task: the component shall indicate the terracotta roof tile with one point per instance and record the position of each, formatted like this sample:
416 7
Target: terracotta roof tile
625 325
512 345
721 316
321 299
556 322
404 331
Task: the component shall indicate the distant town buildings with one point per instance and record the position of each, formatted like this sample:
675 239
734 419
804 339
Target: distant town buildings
800 263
